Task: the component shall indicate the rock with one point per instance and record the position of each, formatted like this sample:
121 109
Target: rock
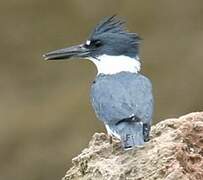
174 152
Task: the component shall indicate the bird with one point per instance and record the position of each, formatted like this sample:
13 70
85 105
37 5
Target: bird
121 96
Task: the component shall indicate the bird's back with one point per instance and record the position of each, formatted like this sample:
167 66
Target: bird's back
124 102
118 96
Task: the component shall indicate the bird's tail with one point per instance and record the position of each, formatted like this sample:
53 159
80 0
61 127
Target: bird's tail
131 133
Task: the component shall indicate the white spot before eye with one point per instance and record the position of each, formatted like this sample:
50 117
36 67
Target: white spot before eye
88 42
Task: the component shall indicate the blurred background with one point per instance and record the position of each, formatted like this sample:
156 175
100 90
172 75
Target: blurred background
45 114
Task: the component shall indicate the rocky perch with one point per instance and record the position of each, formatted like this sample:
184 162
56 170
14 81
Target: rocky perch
175 152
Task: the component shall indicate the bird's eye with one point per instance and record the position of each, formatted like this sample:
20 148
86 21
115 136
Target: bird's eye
93 43
97 43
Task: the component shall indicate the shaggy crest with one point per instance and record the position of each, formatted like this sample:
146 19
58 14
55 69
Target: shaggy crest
113 25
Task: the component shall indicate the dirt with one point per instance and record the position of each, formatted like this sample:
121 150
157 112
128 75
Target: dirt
174 152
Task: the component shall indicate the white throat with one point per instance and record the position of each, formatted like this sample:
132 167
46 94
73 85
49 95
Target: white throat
107 64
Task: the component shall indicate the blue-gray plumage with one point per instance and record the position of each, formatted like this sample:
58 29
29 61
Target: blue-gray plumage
124 102
121 97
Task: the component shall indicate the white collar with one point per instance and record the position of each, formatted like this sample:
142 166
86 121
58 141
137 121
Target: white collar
107 64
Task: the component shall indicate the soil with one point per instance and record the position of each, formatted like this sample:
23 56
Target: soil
174 152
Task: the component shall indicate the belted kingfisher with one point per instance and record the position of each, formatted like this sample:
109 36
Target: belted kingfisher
121 97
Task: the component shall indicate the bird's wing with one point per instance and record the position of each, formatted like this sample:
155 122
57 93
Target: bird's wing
142 98
115 100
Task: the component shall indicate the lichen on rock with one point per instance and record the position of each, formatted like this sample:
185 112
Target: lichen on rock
174 152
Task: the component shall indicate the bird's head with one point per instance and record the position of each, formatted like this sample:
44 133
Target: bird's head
108 39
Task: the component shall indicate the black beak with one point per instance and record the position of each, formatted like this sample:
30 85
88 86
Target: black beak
66 53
